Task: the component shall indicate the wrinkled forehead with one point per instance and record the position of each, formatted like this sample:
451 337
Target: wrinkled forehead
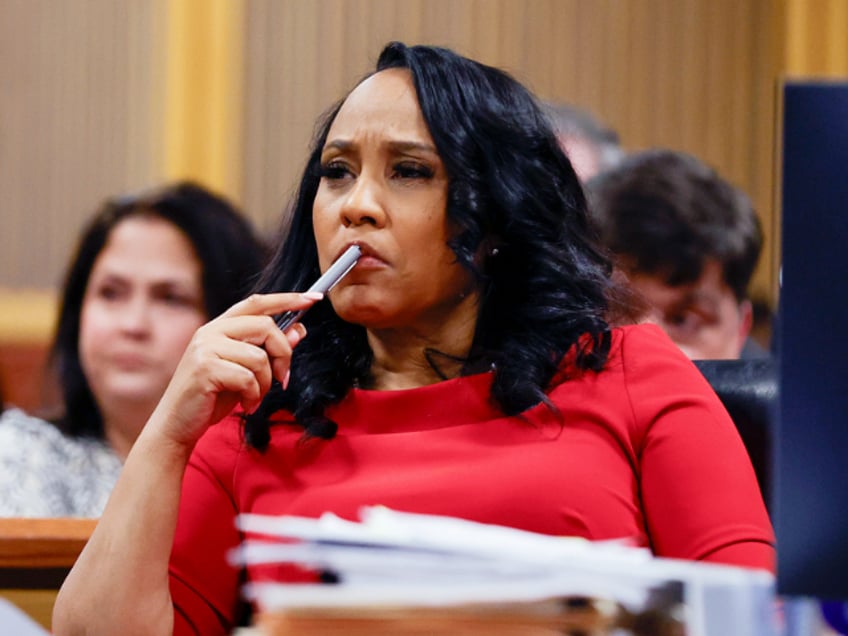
386 101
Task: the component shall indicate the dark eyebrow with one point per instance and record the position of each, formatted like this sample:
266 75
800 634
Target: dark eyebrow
397 146
171 283
109 278
339 144
404 146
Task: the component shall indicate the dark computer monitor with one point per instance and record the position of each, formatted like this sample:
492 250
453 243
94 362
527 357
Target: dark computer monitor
810 503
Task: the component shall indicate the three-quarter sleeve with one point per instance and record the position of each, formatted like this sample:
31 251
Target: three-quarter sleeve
204 586
699 492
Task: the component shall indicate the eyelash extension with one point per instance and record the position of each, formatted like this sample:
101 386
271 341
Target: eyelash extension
414 170
332 170
404 170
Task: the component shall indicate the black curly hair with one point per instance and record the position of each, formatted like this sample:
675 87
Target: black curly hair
510 186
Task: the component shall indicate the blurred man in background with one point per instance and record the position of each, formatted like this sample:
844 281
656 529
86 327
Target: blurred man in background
688 243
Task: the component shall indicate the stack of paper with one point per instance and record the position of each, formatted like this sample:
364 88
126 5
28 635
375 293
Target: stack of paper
398 572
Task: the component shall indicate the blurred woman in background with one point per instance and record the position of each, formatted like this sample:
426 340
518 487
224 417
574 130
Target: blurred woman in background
148 271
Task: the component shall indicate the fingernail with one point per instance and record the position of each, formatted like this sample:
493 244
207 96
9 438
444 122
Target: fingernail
313 295
286 380
295 335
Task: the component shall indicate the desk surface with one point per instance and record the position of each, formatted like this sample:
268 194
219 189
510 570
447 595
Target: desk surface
548 617
38 553
35 557
43 543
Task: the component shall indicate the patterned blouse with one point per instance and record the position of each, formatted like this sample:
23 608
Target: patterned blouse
44 473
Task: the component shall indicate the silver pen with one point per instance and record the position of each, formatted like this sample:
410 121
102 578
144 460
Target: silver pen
325 282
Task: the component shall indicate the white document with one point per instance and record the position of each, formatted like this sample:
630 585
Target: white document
410 560
14 620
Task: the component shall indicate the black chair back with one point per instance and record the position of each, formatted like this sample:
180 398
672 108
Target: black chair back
748 390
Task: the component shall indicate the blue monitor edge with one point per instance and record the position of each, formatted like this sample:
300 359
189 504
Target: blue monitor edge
810 504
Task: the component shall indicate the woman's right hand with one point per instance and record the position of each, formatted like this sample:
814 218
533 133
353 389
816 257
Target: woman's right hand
229 360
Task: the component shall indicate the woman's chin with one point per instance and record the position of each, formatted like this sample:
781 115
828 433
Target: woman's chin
129 393
370 317
360 306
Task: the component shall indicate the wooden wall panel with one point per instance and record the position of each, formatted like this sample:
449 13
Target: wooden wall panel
84 100
77 122
204 93
816 43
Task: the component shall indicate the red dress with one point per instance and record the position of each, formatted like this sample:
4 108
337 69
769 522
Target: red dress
642 450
